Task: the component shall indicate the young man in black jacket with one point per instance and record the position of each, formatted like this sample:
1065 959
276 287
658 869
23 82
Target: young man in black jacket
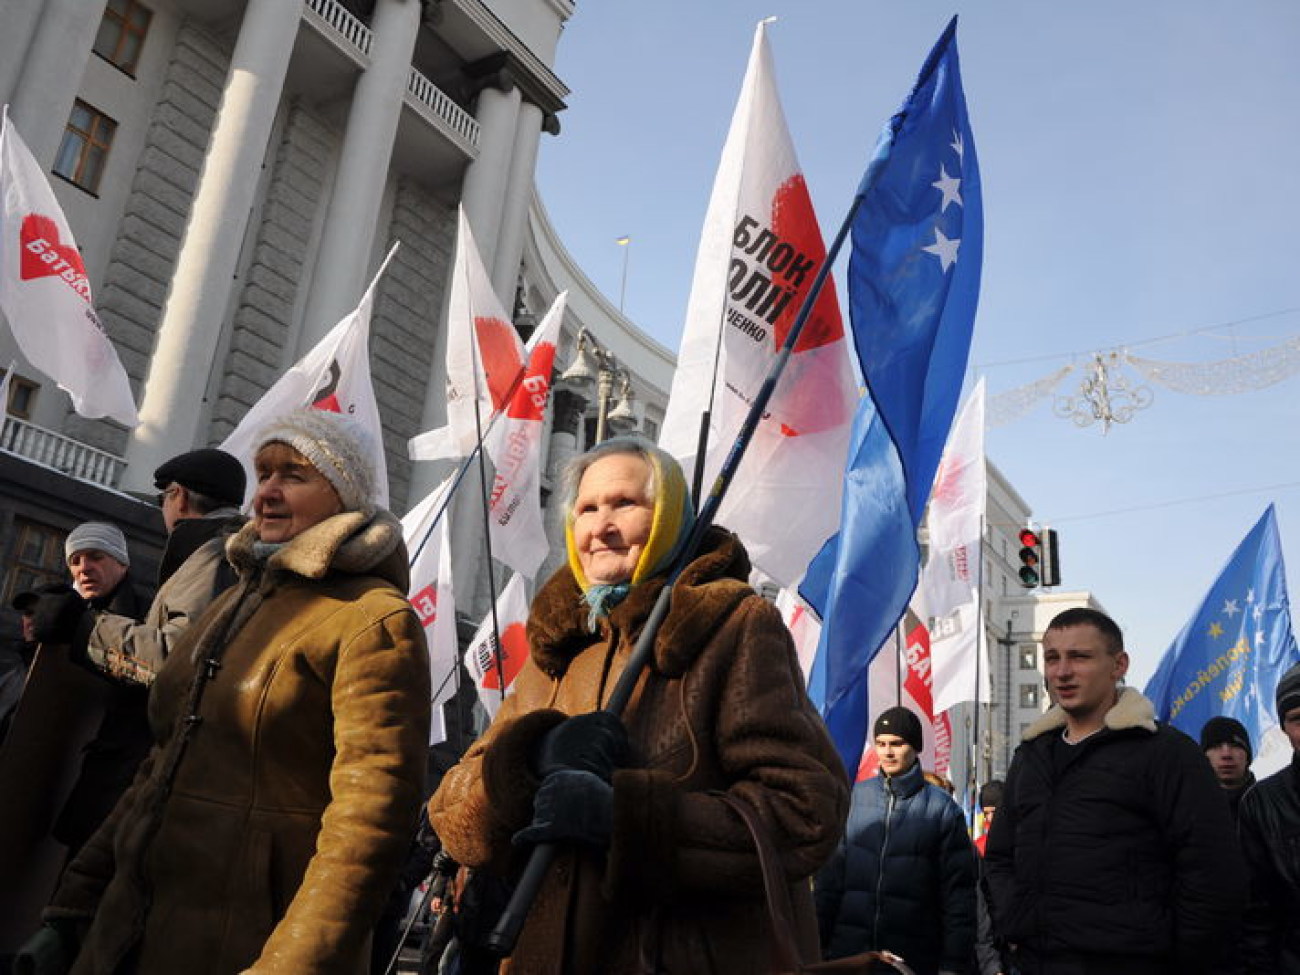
1112 851
1269 820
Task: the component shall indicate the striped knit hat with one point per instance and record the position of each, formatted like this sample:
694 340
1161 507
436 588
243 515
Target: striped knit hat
336 445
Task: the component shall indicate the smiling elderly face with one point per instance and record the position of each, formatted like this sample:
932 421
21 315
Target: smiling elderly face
612 516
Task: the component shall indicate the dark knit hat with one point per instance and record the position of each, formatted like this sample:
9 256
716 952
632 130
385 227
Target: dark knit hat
903 723
1288 692
208 471
1224 730
991 794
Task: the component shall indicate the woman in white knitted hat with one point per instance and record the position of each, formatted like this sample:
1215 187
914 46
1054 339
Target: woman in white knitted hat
268 824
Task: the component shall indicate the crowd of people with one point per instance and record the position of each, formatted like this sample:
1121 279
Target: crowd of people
254 799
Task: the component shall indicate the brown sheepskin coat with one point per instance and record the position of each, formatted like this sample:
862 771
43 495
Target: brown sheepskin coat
292 725
723 707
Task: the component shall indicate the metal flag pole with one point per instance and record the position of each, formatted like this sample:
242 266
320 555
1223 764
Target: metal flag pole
502 939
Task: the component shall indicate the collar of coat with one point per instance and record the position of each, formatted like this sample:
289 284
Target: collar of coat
904 784
706 593
351 542
1132 710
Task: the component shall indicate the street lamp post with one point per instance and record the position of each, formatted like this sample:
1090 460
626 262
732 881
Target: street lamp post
596 367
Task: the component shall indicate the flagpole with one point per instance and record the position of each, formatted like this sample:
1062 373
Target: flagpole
487 534
972 777
502 939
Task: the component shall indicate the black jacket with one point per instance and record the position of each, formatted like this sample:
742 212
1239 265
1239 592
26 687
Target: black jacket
1270 837
902 877
1117 855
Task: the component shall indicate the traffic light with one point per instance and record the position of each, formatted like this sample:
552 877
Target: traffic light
1051 559
1039 558
1031 558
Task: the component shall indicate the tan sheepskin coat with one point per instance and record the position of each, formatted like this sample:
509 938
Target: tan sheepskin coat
293 795
723 707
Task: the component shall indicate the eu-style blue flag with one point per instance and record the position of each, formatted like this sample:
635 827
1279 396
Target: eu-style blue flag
913 288
1230 656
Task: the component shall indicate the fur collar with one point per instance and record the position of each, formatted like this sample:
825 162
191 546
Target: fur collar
706 593
351 542
1132 710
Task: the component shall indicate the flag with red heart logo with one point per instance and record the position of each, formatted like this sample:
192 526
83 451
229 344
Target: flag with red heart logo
495 663
431 594
333 376
484 357
759 252
45 292
515 445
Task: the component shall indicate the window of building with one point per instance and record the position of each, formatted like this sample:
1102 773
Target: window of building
1028 656
650 428
22 396
121 34
1029 695
37 558
86 142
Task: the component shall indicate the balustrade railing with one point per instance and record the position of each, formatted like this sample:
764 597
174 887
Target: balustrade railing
61 453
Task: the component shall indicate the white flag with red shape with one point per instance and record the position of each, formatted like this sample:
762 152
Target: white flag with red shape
333 376
949 588
428 545
515 446
759 252
45 293
484 356
494 664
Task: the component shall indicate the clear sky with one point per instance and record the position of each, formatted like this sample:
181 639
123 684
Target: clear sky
1138 164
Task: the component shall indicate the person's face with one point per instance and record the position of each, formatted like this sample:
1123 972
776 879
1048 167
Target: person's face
894 755
29 628
95 573
612 515
1229 763
291 494
1291 725
1081 674
172 502
988 815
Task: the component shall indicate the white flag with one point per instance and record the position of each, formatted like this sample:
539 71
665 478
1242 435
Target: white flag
515 446
804 627
333 376
759 252
949 589
45 293
492 670
484 356
429 548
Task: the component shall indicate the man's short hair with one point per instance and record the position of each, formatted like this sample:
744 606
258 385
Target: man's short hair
1103 624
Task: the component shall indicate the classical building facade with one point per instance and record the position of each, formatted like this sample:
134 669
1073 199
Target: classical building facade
234 171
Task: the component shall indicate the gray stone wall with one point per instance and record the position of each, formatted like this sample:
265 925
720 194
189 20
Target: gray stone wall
406 349
143 258
260 329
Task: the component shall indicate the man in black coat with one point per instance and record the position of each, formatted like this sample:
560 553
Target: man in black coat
1113 851
1269 820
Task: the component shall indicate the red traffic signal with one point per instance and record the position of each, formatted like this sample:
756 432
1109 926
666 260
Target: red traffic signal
1039 561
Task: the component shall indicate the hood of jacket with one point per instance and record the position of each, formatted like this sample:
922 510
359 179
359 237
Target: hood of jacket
1132 710
705 594
351 542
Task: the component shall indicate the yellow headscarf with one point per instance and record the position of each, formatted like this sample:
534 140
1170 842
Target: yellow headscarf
673 512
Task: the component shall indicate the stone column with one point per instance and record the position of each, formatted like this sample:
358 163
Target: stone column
45 85
514 203
567 408
200 291
484 189
347 238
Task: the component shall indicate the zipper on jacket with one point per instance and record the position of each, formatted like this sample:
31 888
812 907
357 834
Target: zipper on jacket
880 870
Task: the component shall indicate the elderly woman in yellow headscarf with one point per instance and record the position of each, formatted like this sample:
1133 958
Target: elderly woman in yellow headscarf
655 871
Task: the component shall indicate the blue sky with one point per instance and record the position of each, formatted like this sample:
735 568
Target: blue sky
1137 162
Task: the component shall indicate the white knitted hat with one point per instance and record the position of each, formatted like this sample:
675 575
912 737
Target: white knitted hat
336 445
99 536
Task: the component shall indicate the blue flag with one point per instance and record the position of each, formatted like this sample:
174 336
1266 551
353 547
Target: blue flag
913 288
1230 656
